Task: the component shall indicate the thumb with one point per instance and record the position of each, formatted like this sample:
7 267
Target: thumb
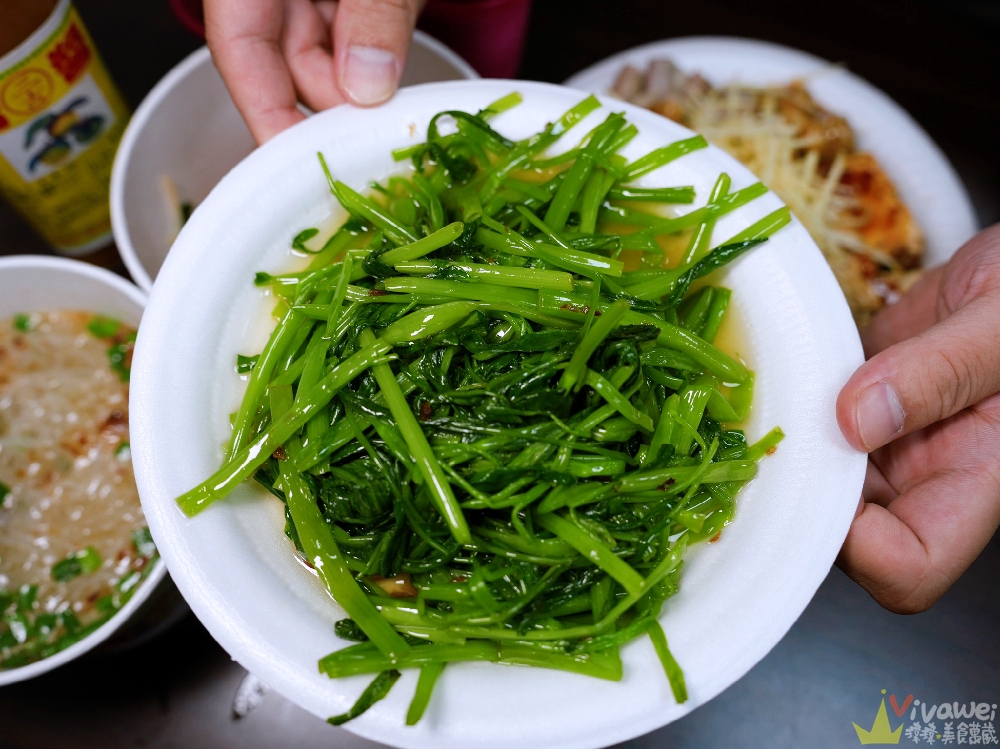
924 379
371 40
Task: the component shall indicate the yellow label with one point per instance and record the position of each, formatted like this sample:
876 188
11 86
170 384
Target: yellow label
61 119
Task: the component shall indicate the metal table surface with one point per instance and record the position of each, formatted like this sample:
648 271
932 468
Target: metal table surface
937 59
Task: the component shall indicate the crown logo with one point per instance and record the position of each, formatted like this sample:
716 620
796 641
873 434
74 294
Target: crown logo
881 732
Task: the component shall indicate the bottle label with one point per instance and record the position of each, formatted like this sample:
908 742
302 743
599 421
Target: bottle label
61 119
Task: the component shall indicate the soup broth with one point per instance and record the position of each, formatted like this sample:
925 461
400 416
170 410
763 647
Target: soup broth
73 541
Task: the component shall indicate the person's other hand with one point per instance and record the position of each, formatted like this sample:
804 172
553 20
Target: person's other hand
276 53
926 407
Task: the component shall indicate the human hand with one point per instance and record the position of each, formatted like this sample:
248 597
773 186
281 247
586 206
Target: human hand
926 407
276 53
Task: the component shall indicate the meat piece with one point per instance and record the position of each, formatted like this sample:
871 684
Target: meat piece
628 83
662 78
885 223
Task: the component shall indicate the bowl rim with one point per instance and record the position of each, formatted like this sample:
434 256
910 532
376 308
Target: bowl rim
192 576
150 105
121 287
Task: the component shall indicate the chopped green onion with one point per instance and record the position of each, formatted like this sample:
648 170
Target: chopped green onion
78 563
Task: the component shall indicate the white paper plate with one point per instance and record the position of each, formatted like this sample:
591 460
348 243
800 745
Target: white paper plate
236 568
923 175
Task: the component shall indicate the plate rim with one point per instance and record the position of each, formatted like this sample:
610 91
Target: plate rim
173 273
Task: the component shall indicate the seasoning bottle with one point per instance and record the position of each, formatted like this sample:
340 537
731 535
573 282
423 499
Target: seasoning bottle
61 118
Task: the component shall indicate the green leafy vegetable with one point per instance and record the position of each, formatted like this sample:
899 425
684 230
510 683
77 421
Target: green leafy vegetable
245 364
429 674
299 242
495 418
374 692
674 673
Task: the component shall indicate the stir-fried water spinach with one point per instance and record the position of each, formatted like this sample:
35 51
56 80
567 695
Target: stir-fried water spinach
494 442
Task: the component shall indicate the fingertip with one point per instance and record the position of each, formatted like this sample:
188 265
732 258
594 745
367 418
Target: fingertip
847 410
879 416
371 42
369 75
870 411
265 125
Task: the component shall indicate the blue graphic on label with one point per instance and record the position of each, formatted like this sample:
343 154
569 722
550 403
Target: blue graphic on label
58 135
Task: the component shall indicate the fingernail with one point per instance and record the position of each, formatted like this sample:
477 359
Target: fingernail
880 416
370 75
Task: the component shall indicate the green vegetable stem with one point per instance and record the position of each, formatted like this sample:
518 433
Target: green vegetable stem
493 412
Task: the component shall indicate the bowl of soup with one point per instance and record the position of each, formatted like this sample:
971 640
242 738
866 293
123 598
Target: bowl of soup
77 562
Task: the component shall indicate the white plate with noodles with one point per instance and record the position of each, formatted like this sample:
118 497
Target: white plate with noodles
238 570
923 176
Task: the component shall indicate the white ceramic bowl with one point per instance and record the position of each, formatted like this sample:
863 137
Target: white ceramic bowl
188 128
36 282
925 178
236 568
